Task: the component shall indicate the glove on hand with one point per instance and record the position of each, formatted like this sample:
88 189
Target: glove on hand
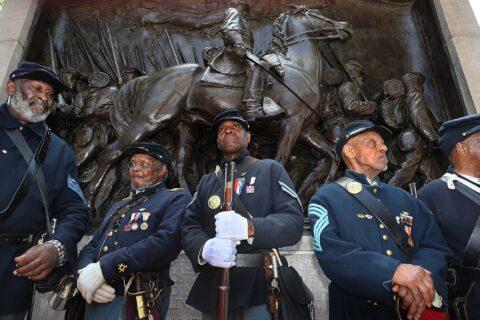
219 252
104 294
90 279
231 225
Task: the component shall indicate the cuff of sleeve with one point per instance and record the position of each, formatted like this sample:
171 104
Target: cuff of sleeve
200 260
62 252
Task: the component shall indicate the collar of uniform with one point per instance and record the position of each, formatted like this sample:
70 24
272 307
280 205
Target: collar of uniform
10 122
160 185
362 178
237 159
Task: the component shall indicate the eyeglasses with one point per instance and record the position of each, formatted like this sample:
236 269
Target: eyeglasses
142 165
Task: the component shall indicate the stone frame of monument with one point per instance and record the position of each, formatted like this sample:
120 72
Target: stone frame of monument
445 89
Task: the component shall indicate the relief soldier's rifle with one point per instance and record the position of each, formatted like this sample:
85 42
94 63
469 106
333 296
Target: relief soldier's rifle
224 285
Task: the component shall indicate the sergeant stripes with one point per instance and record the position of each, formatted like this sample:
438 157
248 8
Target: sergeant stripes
73 185
322 214
289 191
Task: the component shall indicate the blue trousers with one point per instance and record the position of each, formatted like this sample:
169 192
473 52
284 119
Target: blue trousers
246 313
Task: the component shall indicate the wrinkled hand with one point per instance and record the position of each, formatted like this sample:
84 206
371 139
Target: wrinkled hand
240 51
89 280
408 303
419 281
104 294
37 262
231 225
219 252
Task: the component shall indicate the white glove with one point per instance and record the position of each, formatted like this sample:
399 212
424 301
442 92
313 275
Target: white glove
90 279
231 225
219 252
104 294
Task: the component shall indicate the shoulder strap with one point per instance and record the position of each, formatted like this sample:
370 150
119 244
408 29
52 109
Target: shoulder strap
380 212
471 256
33 172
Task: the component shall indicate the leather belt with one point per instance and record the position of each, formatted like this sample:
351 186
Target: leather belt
249 260
9 239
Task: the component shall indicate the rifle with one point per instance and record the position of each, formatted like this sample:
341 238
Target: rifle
224 286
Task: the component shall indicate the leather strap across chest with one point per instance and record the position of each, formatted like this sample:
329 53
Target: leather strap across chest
380 212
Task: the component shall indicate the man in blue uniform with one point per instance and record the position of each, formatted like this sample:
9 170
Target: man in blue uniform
452 199
268 214
31 90
136 243
359 252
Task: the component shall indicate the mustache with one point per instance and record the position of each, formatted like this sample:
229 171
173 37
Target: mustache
38 101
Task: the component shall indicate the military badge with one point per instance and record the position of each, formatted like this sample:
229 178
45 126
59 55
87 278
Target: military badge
250 189
406 220
214 202
238 185
145 217
121 267
354 187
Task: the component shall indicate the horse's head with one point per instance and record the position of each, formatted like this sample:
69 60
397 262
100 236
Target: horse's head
303 24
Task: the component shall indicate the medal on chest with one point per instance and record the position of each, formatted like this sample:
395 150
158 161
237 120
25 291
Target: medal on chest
406 220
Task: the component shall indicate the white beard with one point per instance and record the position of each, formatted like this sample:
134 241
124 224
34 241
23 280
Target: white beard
23 108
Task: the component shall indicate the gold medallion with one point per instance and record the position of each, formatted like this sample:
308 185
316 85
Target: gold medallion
354 187
214 202
144 226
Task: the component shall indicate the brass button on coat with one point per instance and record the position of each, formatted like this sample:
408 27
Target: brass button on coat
385 237
105 248
389 252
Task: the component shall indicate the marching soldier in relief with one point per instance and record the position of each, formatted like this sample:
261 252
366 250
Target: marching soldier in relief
267 214
454 200
376 242
131 252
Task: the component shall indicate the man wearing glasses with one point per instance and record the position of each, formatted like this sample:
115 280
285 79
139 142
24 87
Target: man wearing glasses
136 243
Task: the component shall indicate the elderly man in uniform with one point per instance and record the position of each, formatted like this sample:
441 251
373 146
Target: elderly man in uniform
133 248
34 164
375 241
454 200
268 214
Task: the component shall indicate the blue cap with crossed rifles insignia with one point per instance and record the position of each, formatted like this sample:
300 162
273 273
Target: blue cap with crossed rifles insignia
453 131
232 115
153 150
35 71
358 127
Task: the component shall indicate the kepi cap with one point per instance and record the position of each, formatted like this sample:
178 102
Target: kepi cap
358 127
231 114
35 71
453 131
154 150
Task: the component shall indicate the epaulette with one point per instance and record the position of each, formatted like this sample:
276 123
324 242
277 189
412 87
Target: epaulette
175 189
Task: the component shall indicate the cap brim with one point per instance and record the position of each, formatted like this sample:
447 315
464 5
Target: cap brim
44 76
237 119
472 131
384 132
131 151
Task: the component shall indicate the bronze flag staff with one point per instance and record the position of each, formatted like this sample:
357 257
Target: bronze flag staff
224 285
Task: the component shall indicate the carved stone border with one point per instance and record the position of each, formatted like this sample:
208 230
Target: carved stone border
461 33
16 20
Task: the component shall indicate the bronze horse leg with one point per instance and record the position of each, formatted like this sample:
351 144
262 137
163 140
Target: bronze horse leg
312 138
290 129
